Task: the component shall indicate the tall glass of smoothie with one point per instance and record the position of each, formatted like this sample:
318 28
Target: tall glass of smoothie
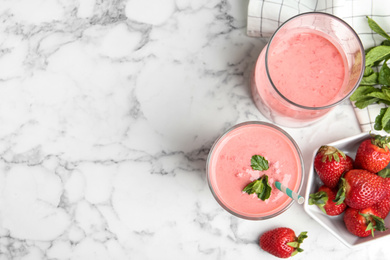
313 62
230 170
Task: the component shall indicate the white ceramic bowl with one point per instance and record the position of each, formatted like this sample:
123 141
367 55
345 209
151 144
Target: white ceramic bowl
335 224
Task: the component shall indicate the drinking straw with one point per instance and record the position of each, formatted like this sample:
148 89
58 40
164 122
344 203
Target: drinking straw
298 198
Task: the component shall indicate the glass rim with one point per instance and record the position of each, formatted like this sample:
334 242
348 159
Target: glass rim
221 137
360 47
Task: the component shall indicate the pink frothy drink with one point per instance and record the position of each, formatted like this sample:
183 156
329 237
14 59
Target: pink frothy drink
313 62
229 169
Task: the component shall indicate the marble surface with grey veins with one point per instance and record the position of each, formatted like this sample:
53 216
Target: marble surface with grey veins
108 110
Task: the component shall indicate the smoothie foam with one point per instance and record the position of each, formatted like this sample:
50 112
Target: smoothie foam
229 169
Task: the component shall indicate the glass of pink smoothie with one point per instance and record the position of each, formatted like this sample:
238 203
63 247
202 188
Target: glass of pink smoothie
229 169
313 62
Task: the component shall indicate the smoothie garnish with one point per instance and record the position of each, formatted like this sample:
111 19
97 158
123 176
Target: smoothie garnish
375 85
260 186
259 163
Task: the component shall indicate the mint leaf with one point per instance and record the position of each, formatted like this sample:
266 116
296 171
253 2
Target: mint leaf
379 95
362 92
260 186
384 75
364 102
386 120
386 91
374 87
376 28
259 163
378 119
370 80
382 121
368 71
377 54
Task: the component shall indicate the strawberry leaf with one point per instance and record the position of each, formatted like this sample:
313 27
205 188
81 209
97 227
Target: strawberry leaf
340 196
385 173
319 198
297 243
293 244
301 237
379 140
379 223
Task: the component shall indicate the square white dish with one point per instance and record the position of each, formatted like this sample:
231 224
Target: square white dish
335 224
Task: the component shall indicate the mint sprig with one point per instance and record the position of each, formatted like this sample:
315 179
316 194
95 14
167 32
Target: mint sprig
259 163
261 187
374 87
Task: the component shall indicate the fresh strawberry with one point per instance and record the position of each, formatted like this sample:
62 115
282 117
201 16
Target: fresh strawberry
361 189
323 198
383 206
373 154
282 242
363 222
385 173
330 163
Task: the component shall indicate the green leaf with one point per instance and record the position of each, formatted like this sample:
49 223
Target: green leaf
340 196
361 92
377 54
259 163
384 75
385 173
386 118
261 187
293 244
386 43
319 198
379 95
386 90
376 28
370 80
382 120
366 102
378 119
379 223
297 243
368 71
385 121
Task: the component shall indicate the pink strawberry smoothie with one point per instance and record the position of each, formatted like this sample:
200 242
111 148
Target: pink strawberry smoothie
229 169
305 68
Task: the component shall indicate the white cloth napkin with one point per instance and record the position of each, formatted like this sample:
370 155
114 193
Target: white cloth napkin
265 16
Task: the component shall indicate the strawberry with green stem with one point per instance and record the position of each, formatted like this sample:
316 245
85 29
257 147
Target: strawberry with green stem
360 189
323 198
373 154
363 222
330 163
383 206
282 242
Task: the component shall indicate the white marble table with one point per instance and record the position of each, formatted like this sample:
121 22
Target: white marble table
107 112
